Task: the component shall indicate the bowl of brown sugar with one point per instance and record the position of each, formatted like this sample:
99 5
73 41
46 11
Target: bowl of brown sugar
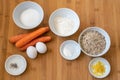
94 41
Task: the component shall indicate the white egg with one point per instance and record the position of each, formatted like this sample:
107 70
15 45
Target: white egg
41 47
31 52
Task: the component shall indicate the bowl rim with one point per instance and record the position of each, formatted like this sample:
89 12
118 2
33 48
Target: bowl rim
13 14
104 61
104 51
56 33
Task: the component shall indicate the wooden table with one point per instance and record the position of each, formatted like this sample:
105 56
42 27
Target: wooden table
51 66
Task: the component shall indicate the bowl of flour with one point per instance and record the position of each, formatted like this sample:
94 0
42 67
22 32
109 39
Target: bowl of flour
64 22
28 15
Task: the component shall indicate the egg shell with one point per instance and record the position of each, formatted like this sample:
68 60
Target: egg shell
41 47
31 52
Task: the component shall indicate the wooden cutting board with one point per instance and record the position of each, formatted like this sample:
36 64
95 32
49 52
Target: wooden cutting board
51 66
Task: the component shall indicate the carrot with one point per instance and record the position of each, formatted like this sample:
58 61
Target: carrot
31 36
14 39
33 42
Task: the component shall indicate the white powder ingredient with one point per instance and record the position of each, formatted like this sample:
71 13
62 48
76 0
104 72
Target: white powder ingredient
68 50
63 25
30 17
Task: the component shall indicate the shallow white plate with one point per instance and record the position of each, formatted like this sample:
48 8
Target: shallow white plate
18 68
105 62
70 46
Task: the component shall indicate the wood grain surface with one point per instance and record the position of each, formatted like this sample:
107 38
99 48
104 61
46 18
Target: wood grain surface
51 66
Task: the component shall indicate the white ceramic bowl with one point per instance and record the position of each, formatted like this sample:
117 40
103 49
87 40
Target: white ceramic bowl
70 50
65 13
18 67
106 64
107 39
24 6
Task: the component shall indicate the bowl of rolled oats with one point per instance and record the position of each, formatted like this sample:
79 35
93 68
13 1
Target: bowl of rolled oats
94 41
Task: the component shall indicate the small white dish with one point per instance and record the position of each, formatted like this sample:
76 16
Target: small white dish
106 65
70 50
104 33
64 13
15 64
20 8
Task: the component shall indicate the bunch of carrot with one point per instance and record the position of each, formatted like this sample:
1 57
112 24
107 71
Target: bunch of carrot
23 41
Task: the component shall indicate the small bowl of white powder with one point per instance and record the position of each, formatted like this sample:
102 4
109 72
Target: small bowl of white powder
70 50
28 15
64 22
94 41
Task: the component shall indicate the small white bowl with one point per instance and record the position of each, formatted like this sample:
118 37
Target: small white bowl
70 50
24 6
64 13
15 59
107 39
106 64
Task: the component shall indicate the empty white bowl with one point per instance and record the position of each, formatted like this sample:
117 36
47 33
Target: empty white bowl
66 14
20 8
105 63
104 33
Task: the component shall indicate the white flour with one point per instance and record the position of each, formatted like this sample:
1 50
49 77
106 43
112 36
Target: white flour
30 17
69 50
63 25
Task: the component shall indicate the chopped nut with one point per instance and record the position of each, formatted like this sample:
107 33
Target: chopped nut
93 42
